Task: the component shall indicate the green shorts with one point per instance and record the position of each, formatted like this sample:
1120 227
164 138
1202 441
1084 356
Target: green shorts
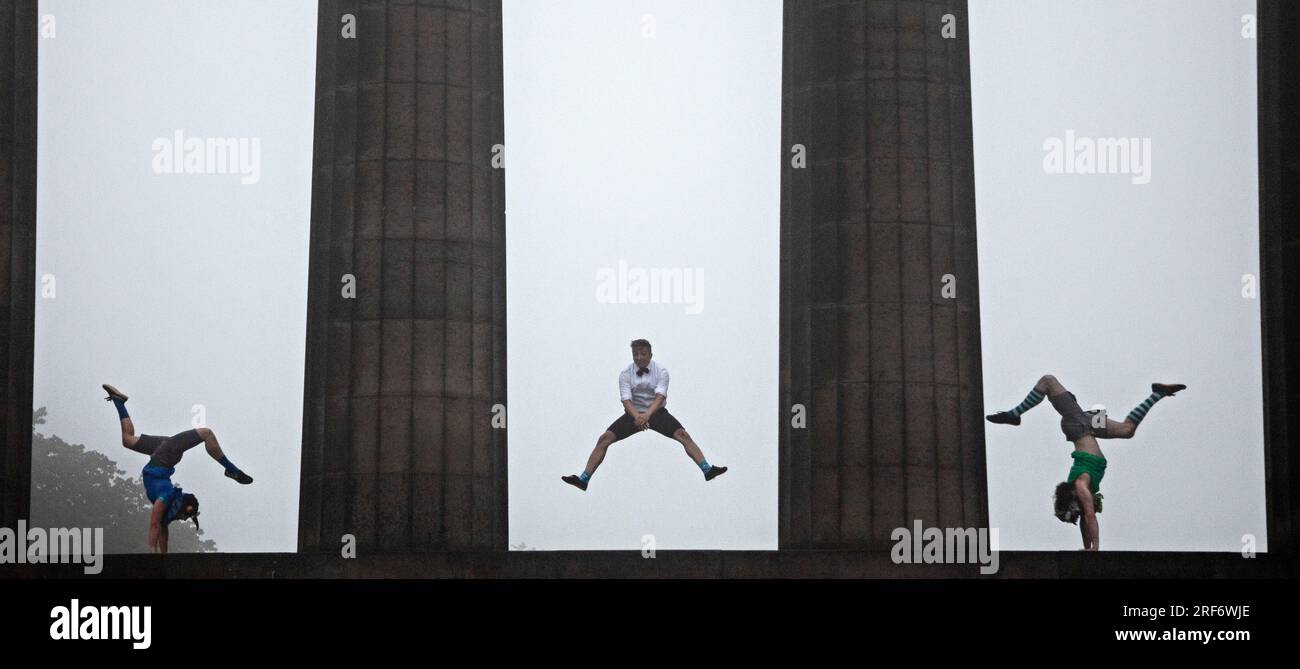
1093 465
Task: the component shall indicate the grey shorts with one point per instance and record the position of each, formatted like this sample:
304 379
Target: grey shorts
1075 422
167 451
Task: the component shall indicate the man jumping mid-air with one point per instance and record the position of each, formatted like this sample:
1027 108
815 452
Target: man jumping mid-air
169 501
1079 495
643 387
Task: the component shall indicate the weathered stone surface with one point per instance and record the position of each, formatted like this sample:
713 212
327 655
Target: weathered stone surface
886 363
397 446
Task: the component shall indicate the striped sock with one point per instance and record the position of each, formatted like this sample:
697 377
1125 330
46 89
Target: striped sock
1030 402
584 476
705 466
1140 411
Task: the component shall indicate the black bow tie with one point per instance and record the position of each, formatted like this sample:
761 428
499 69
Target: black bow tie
641 371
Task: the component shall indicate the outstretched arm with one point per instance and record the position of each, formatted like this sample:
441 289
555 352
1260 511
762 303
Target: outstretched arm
158 531
1088 522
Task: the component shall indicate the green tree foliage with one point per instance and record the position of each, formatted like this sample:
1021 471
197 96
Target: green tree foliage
75 487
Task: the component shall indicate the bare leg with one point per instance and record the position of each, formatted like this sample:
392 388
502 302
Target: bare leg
128 433
1117 430
214 449
210 443
1048 385
598 454
692 450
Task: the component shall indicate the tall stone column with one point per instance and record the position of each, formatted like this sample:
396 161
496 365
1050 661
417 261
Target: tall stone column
17 252
407 209
1279 243
880 338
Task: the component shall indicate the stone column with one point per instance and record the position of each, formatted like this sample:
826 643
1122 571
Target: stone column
880 338
18 26
407 208
1279 243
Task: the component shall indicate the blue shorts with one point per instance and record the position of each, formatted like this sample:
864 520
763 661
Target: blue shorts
158 482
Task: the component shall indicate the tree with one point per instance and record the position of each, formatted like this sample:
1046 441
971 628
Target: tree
75 487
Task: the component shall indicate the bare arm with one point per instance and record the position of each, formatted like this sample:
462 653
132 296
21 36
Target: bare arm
643 419
1088 523
157 531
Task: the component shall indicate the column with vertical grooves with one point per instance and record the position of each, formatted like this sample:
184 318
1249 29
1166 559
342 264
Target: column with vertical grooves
17 251
398 448
1279 244
876 231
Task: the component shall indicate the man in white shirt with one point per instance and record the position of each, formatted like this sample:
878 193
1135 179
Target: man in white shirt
643 388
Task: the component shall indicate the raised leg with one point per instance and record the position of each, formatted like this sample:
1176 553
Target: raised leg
118 398
1048 385
1119 430
214 449
603 443
129 437
692 450
210 443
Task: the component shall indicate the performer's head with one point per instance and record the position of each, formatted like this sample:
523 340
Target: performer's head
185 507
641 352
1066 503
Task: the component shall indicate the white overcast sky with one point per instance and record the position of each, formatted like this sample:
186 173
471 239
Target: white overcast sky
180 289
646 133
1110 285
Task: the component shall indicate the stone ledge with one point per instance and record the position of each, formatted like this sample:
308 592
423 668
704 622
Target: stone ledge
669 564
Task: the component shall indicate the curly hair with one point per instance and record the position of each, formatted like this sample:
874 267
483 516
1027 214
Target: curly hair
1066 506
636 343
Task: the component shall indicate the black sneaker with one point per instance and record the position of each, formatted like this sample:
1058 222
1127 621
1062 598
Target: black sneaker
239 476
1003 418
575 481
113 393
714 472
1166 389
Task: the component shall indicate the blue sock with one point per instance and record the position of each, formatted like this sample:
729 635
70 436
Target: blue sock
1030 402
230 466
121 408
705 466
584 476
